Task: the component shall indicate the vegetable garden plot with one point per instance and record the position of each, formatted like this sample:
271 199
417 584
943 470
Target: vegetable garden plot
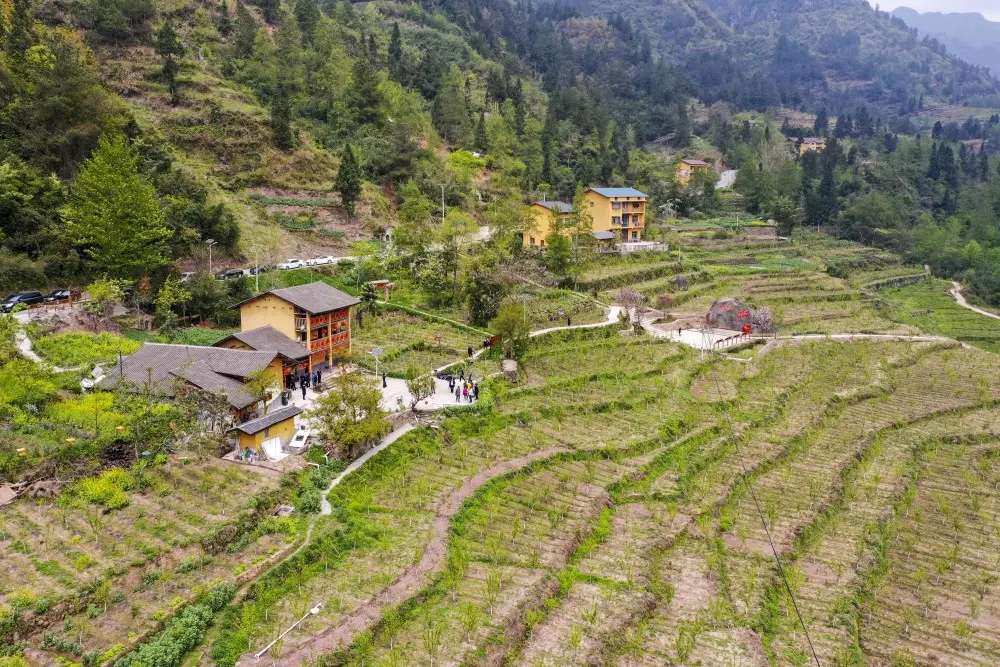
940 601
410 339
833 559
588 617
139 562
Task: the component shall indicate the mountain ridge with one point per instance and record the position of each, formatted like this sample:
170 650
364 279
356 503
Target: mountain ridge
969 35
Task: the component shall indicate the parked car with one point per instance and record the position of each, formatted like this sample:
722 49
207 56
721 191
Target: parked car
187 276
28 298
258 270
229 274
61 295
321 261
291 264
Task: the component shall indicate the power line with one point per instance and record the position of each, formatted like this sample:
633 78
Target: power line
767 531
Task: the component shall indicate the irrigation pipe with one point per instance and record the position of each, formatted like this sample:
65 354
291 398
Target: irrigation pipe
767 531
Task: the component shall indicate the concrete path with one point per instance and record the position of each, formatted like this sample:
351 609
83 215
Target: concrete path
612 318
27 350
325 507
956 292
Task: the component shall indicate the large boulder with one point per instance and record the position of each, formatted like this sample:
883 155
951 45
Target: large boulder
729 313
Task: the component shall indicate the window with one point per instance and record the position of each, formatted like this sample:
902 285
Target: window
532 240
635 205
591 204
616 220
635 236
543 243
615 206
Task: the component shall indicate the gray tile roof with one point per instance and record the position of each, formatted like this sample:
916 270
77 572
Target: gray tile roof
268 339
603 236
270 419
558 206
618 192
202 376
214 369
315 297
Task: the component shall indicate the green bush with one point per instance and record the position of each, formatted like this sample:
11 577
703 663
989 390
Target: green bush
308 502
108 490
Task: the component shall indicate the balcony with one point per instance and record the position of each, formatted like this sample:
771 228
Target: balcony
301 323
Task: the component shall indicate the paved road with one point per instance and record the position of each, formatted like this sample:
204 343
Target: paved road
956 291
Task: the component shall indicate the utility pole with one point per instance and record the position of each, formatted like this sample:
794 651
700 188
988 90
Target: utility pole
210 242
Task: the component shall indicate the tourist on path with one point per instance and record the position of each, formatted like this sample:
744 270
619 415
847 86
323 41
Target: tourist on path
384 383
458 395
319 377
470 350
303 391
465 391
475 390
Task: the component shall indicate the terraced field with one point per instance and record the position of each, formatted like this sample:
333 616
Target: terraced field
626 533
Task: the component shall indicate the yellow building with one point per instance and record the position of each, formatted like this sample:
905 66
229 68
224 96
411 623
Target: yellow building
618 210
810 144
687 169
316 316
267 435
544 215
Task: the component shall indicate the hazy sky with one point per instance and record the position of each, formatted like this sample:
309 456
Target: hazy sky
988 8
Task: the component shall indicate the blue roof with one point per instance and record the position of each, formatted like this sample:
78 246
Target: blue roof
560 206
618 192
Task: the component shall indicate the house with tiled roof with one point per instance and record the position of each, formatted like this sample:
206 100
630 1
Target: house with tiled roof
545 216
165 369
621 211
315 316
686 169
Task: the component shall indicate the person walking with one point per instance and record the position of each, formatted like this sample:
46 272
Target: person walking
475 390
303 391
304 379
461 375
569 322
465 391
458 395
470 351
319 376
384 383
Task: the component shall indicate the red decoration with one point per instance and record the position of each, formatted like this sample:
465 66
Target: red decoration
725 307
743 314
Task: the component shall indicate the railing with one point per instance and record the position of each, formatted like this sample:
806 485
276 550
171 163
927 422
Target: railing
730 341
300 323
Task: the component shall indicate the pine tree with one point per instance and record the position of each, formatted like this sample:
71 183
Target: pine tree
396 53
984 165
21 36
934 168
113 213
246 31
517 97
167 47
548 138
349 180
307 15
225 24
271 10
281 117
363 97
372 51
682 130
822 124
482 141
747 136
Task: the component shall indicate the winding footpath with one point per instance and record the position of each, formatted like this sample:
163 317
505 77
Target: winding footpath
956 291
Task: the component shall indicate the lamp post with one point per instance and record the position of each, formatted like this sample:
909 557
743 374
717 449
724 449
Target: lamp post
442 203
210 242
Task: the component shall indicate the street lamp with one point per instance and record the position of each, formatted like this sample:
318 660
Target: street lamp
210 242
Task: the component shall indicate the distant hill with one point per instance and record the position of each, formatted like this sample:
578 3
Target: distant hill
812 53
970 36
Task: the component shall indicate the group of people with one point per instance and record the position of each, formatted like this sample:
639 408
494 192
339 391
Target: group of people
304 380
464 387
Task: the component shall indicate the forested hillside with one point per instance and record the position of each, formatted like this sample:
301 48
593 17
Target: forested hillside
134 131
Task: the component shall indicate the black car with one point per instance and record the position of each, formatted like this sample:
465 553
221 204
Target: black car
229 274
28 298
61 295
258 270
